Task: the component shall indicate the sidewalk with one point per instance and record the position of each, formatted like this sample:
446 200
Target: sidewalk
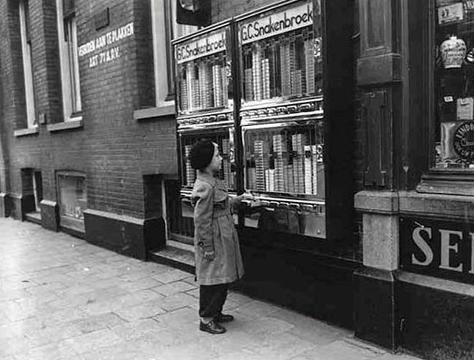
62 298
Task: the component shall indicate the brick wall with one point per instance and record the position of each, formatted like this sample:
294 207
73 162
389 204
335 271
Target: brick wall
112 149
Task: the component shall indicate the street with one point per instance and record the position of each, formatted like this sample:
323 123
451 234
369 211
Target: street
62 298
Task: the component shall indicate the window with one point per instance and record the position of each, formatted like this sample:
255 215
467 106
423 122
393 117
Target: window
72 195
25 33
165 29
453 147
67 36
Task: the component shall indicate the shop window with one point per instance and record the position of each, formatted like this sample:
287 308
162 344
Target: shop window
165 29
25 33
67 36
72 195
453 146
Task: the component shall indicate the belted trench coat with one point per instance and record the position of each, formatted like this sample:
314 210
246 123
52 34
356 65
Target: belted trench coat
214 230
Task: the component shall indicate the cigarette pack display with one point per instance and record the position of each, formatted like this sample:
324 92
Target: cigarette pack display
308 172
296 83
226 167
225 95
272 70
205 85
196 97
314 169
217 85
184 95
261 164
257 72
190 172
190 84
269 180
285 69
279 162
286 177
226 170
298 141
251 182
292 65
265 79
309 62
248 83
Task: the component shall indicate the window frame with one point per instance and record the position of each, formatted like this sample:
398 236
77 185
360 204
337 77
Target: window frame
70 222
164 29
69 64
28 78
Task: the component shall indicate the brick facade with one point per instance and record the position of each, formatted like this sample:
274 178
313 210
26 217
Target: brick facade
112 149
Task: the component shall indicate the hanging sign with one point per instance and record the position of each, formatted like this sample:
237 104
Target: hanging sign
450 13
443 249
463 140
211 44
276 23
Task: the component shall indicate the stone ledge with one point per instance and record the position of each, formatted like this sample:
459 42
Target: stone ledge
379 202
26 131
166 111
435 283
437 205
66 125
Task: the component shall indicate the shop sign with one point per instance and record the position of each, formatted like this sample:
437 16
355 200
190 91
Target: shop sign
204 46
276 23
463 141
450 13
437 248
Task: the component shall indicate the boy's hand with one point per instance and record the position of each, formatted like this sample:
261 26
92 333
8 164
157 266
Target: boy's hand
209 255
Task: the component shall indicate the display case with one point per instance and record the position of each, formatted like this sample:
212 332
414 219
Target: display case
454 81
282 117
204 98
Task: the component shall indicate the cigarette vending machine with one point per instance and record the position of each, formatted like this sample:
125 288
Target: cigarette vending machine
204 101
282 117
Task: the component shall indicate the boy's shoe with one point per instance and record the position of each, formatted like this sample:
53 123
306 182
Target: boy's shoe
212 327
223 318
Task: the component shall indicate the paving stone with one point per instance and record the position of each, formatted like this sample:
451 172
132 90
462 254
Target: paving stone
170 276
173 288
142 311
142 284
56 351
177 301
132 330
91 341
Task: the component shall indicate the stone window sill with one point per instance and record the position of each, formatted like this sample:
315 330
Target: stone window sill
157 113
66 125
448 182
26 131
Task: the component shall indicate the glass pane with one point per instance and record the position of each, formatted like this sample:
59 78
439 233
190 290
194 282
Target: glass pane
287 159
203 73
284 168
73 198
454 80
282 66
224 138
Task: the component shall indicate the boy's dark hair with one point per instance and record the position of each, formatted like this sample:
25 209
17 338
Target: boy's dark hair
201 154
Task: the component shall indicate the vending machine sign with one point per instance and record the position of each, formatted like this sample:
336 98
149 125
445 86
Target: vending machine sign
277 23
196 48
